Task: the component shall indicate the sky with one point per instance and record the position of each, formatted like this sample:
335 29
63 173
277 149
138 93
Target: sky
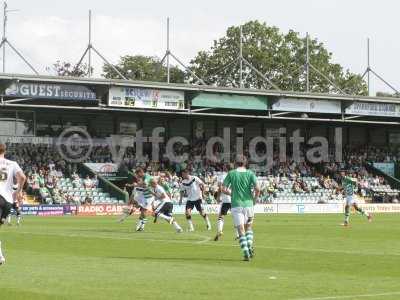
48 30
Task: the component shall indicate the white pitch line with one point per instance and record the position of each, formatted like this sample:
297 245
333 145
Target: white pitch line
351 296
130 238
205 240
328 251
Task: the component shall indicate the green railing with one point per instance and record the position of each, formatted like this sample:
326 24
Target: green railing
392 181
104 184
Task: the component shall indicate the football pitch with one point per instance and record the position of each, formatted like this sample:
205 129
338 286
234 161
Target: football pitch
308 257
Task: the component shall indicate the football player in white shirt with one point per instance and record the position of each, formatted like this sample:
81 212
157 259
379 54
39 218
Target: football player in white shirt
165 206
9 170
225 200
193 188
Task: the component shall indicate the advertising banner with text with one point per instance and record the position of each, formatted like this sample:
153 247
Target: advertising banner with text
132 97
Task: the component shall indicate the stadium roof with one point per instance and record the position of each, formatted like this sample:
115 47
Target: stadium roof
193 87
332 107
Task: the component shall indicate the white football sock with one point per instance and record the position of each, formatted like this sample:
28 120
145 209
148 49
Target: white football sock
165 217
191 227
208 222
176 226
220 225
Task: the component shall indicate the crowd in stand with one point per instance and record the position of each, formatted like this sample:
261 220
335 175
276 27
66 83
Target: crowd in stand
47 171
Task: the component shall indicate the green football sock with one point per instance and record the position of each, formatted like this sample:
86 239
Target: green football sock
347 214
244 246
361 211
249 237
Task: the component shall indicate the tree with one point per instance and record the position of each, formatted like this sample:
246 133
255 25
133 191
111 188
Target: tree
68 69
143 68
280 57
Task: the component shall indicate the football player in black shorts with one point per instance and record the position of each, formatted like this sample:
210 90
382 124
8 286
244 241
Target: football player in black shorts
165 206
9 171
193 188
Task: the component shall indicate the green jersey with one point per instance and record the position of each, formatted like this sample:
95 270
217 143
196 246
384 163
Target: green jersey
166 187
241 183
349 185
145 190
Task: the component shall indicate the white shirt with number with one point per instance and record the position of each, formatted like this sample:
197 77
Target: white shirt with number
223 197
159 191
8 171
191 187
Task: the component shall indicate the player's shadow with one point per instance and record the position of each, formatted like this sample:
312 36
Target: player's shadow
158 258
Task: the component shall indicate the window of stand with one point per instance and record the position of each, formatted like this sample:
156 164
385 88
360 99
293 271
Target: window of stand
17 123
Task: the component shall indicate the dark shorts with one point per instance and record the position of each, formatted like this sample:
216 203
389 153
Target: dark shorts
16 208
5 209
192 204
225 207
166 209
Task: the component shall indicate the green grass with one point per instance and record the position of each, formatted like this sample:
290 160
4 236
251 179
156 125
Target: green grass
297 257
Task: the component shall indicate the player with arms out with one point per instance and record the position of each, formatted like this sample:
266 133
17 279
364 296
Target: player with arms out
193 188
242 185
143 197
9 170
349 184
165 208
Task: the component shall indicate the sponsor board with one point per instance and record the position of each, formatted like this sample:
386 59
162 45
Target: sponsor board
380 208
104 169
50 91
374 109
213 209
47 210
132 97
331 208
307 105
100 210
266 208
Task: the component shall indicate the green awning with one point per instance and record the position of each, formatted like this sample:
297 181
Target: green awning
230 101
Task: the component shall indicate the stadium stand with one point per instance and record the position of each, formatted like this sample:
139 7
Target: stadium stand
53 180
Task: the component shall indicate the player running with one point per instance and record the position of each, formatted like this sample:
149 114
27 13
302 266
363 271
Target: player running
242 185
193 188
349 184
164 209
16 206
9 170
143 197
225 200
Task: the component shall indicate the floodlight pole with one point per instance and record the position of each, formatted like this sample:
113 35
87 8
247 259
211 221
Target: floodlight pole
241 58
5 41
368 67
308 64
168 53
90 44
4 35
88 51
370 70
